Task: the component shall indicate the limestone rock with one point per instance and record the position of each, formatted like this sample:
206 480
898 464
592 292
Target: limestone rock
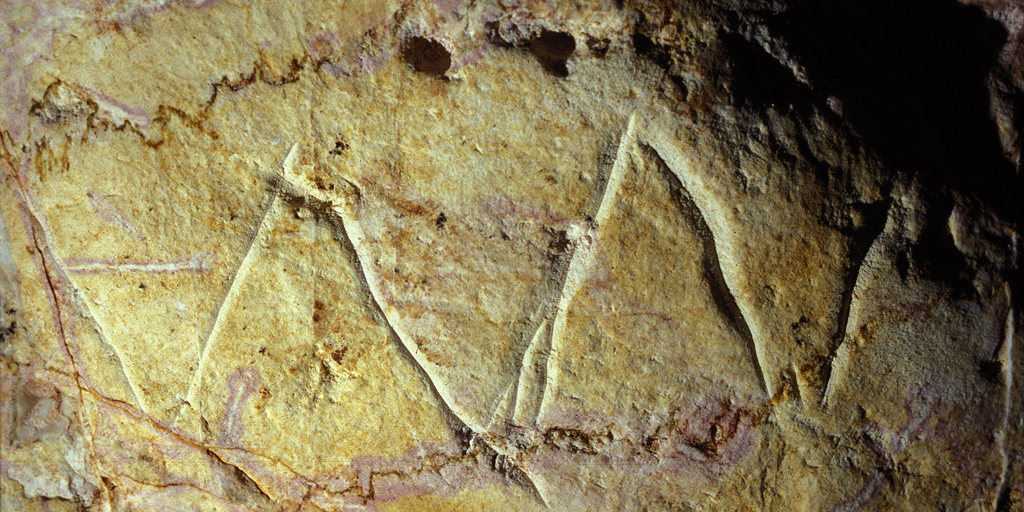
497 255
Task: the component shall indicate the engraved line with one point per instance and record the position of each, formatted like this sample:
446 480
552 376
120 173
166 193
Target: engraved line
30 219
352 232
838 359
527 405
54 275
615 177
582 257
111 215
720 291
134 114
538 350
1007 358
288 163
877 222
295 186
352 236
796 381
840 363
201 262
136 393
342 231
204 347
505 410
866 495
28 210
532 377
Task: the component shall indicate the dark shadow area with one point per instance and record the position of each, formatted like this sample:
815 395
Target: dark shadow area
760 79
662 57
553 50
911 78
427 56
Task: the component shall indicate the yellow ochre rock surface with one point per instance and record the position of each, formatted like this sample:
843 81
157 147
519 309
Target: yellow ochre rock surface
511 255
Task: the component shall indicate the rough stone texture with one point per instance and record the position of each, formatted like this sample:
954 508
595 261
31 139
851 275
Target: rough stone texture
304 255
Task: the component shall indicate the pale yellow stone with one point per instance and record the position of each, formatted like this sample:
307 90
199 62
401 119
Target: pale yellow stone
260 257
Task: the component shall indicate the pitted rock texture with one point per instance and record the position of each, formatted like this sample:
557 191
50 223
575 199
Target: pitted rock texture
511 255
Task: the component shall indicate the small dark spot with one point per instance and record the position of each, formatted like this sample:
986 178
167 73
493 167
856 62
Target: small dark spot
441 220
642 44
8 331
991 370
554 45
263 351
796 325
142 286
427 56
318 305
340 146
553 49
597 46
559 243
903 265
464 437
413 208
339 354
1003 502
576 441
242 83
316 316
493 29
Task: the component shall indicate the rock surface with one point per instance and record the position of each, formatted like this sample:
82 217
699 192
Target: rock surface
495 255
